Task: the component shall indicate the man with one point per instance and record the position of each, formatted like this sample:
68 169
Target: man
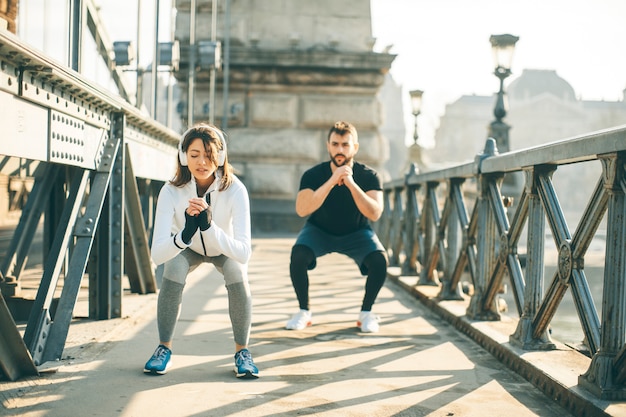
340 197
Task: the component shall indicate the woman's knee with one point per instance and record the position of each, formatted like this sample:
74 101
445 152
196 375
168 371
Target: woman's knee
176 269
234 272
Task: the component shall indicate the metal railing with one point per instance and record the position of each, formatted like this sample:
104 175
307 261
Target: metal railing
473 232
95 162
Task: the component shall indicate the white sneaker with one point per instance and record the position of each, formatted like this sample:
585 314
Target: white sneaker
300 320
368 322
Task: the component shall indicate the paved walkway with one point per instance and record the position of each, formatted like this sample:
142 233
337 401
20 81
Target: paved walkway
417 365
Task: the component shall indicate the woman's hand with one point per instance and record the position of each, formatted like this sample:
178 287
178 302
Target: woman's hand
201 210
196 205
194 219
204 218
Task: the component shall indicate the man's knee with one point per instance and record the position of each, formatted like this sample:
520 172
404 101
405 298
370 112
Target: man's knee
302 256
376 262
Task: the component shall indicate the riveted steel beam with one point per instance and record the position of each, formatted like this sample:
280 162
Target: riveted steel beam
39 321
106 266
139 269
15 359
84 233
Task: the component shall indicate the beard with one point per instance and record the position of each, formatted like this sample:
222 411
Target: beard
346 160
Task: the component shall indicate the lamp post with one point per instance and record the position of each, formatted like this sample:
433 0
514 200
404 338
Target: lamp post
415 150
416 106
502 47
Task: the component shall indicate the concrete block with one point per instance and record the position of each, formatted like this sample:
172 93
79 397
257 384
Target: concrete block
372 147
285 144
273 110
363 112
271 180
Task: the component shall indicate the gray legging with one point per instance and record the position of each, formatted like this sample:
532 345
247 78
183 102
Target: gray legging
171 293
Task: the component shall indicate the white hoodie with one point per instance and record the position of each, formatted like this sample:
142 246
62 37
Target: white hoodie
229 233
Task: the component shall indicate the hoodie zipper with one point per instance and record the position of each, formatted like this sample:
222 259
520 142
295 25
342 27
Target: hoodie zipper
202 241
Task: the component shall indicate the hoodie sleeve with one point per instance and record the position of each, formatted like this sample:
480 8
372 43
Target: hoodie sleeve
165 245
239 245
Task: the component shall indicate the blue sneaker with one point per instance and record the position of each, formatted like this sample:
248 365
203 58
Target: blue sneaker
160 361
244 365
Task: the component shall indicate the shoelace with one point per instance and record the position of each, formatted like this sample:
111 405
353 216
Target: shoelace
160 353
244 357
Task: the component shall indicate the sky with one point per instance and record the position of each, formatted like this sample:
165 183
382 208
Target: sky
443 47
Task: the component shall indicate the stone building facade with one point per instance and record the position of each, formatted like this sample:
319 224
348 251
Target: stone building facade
8 13
295 67
543 108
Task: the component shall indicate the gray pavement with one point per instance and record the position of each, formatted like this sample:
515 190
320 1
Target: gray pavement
417 365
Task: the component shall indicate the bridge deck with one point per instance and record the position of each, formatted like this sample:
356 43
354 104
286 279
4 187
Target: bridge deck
418 364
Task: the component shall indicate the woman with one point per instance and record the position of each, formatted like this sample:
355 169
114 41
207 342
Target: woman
203 215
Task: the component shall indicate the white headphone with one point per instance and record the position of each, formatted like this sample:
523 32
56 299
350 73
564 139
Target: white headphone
221 153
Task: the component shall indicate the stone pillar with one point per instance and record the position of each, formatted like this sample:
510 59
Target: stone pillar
295 68
8 12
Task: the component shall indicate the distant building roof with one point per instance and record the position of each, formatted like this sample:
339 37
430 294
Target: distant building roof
534 82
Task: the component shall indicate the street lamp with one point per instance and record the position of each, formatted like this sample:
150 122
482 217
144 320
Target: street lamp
416 106
502 47
415 150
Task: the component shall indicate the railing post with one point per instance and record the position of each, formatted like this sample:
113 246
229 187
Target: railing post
384 224
601 376
533 290
413 242
450 288
430 227
395 232
485 243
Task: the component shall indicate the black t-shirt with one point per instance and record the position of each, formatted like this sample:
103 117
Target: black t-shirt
339 215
